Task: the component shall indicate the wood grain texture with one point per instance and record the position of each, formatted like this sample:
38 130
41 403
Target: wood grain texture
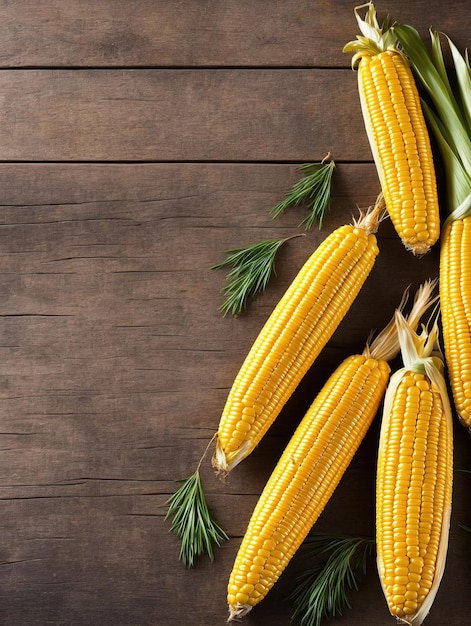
115 367
163 33
181 115
139 141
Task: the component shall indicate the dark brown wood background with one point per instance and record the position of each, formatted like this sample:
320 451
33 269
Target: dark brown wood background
139 141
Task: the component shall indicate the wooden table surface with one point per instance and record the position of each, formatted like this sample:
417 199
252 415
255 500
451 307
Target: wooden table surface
139 141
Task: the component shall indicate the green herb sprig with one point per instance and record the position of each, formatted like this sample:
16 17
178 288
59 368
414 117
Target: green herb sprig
312 190
192 521
252 268
322 591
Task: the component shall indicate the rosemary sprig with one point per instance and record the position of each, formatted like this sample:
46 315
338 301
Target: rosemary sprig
313 190
323 590
192 521
252 268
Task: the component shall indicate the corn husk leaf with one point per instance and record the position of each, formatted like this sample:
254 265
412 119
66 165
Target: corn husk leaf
449 114
464 82
374 38
385 346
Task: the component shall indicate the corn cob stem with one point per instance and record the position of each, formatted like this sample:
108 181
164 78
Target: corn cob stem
295 333
313 464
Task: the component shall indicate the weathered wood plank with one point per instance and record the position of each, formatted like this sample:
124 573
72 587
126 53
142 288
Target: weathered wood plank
115 366
115 361
199 32
182 115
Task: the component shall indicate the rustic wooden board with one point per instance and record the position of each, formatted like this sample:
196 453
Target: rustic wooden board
115 33
115 367
180 115
139 142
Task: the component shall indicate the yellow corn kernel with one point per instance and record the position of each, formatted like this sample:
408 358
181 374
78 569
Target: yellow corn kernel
307 474
295 333
455 296
401 148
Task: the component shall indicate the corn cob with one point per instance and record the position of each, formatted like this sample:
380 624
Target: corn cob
449 116
455 291
414 479
295 333
397 133
313 464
